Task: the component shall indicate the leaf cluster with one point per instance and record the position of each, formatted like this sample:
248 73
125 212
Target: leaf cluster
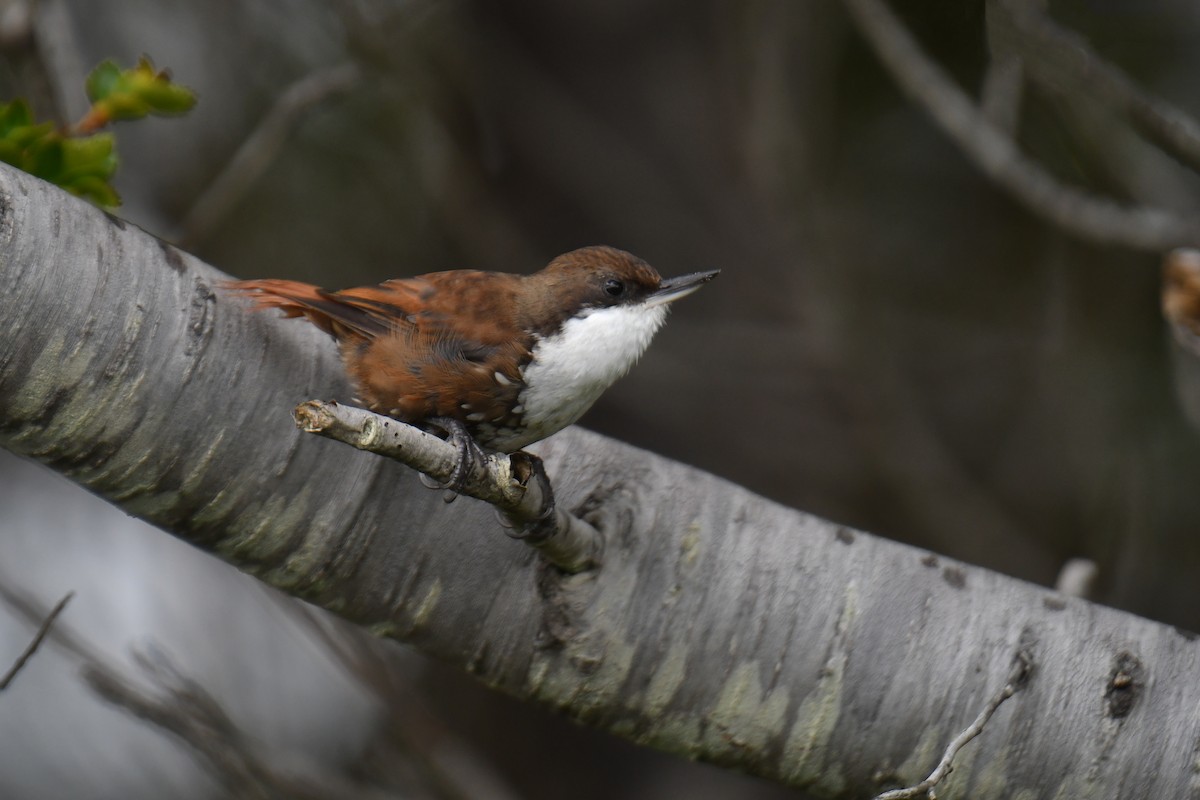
82 159
134 93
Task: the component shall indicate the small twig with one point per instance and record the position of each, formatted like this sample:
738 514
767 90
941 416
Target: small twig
261 148
1083 213
1016 678
1077 578
515 484
42 630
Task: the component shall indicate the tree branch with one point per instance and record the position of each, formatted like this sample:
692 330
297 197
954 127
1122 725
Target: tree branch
516 485
720 626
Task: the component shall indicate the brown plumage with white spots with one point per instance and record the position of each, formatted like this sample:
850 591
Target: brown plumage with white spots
504 359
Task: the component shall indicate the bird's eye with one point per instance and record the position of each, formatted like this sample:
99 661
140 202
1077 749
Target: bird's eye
614 288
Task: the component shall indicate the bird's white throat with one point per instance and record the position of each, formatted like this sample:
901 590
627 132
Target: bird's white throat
571 368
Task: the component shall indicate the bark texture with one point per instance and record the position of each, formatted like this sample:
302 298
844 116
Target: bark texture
720 626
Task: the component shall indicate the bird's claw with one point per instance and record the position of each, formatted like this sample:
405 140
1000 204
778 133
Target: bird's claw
469 455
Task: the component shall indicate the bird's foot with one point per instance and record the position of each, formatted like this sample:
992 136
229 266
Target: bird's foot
470 454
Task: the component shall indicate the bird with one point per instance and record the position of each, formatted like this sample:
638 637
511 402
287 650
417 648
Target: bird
1181 292
495 361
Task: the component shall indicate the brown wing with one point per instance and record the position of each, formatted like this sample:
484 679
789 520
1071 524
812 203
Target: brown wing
438 345
457 356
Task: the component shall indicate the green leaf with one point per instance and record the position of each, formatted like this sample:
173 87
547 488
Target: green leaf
91 156
95 149
103 80
165 97
45 158
80 163
10 153
27 136
136 92
14 115
124 105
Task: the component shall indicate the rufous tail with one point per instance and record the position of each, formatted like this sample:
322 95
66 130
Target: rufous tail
296 299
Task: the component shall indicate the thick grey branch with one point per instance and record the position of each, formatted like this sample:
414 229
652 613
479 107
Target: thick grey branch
720 626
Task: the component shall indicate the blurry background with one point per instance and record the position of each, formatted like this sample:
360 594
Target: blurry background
893 344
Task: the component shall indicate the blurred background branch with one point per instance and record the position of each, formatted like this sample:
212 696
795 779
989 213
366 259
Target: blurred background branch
1080 212
261 147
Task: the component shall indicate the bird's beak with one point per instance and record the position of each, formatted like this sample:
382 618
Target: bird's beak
671 289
